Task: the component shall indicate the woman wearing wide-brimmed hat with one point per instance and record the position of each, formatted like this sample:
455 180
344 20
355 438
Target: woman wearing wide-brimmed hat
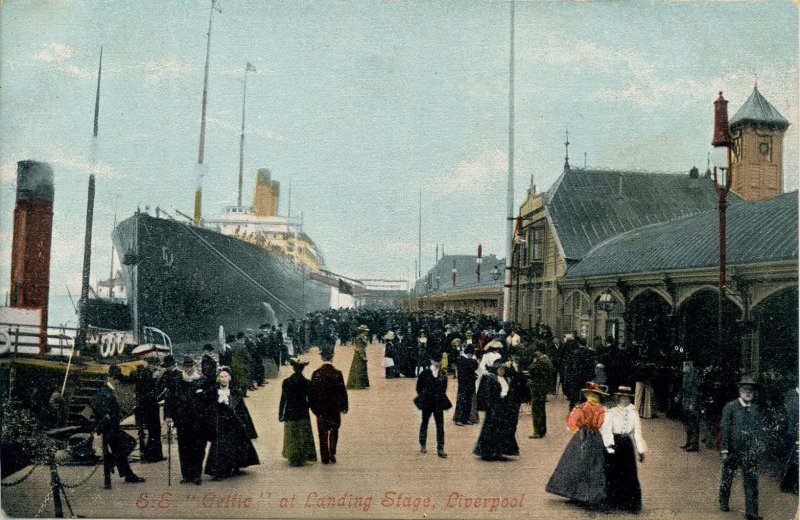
580 473
231 430
622 436
298 438
358 377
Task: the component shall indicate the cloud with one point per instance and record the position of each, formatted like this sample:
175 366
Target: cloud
159 70
72 162
400 249
59 55
232 128
477 175
54 53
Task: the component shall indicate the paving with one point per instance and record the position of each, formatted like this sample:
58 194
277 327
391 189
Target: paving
380 472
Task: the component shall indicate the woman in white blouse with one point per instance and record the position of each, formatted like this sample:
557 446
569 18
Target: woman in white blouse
622 437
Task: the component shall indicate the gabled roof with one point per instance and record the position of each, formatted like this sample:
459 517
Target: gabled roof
466 278
757 232
588 207
759 111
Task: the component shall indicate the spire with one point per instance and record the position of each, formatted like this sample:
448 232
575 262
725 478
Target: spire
566 156
532 187
758 110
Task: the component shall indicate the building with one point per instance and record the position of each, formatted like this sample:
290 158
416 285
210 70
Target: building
454 284
635 256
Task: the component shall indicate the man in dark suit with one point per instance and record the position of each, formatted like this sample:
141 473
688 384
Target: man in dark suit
108 416
432 400
741 446
540 376
148 417
190 415
328 399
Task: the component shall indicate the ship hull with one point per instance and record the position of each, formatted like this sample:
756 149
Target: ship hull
187 281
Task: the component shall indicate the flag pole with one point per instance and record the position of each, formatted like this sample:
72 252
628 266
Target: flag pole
510 190
198 194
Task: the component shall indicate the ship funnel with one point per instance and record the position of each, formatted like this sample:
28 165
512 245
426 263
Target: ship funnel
33 229
266 194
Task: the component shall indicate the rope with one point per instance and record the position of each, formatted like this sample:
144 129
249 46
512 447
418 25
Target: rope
46 499
84 480
236 268
21 480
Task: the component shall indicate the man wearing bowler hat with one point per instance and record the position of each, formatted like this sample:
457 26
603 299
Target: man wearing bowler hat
741 446
107 413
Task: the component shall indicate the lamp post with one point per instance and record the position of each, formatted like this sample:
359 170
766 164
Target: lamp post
722 141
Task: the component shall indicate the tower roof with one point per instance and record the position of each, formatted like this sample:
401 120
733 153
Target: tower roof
758 110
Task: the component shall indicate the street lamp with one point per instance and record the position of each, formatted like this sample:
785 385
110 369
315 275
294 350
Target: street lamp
495 273
606 301
722 142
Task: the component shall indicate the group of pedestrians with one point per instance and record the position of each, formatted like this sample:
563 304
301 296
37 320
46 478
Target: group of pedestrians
495 371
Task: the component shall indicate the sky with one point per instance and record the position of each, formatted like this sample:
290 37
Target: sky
362 104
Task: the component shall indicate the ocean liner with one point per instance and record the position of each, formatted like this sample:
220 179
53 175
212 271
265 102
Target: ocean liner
240 269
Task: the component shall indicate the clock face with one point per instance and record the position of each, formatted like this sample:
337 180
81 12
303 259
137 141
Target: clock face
763 148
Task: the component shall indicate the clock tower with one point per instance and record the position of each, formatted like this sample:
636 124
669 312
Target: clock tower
757 130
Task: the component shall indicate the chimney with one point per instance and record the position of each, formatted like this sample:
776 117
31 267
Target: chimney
694 173
33 229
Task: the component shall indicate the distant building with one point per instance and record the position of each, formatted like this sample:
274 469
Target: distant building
383 293
453 284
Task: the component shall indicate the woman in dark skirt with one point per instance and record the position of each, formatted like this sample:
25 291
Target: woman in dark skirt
498 433
231 430
622 435
298 439
580 474
465 397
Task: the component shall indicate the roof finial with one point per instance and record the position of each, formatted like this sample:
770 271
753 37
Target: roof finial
532 188
584 160
755 82
566 148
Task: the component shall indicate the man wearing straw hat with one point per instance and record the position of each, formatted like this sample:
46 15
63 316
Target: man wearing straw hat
741 445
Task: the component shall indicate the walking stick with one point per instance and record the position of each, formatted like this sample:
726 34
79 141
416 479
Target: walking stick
169 453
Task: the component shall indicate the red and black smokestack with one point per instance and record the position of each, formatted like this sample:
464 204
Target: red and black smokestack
33 230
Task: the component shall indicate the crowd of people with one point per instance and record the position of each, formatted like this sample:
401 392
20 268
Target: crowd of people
496 368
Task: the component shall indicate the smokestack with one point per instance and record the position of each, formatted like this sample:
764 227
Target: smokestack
33 229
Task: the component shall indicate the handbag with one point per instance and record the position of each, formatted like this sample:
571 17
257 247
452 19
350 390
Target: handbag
387 362
418 402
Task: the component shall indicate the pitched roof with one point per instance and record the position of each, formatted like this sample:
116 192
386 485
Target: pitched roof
757 232
758 110
466 278
587 207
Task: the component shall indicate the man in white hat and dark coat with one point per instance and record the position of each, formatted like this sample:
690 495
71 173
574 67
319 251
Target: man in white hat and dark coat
190 417
741 445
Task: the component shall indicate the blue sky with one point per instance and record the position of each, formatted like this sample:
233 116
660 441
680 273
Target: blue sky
362 104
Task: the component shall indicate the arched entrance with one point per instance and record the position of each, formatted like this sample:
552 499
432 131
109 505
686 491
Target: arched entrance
777 338
577 315
699 331
651 328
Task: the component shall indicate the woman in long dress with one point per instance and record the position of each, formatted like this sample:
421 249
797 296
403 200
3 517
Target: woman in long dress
298 438
580 474
622 436
358 377
465 396
498 433
231 430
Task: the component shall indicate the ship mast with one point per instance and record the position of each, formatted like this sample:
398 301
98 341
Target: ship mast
247 68
198 194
